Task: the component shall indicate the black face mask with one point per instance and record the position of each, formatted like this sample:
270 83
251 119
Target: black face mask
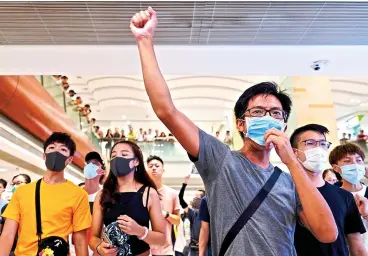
196 203
120 166
55 161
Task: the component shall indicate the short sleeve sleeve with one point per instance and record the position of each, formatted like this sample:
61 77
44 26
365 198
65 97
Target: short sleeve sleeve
212 153
353 220
204 215
12 211
299 207
82 215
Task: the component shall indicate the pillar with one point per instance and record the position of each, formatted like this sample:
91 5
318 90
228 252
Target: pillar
312 103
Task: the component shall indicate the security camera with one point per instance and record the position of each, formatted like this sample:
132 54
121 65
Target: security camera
317 65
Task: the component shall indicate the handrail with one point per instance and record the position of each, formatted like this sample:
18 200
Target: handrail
27 103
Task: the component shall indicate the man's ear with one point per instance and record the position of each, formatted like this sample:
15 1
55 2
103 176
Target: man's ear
69 160
336 168
240 125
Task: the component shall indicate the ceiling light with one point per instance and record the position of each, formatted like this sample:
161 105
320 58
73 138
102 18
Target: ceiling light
128 122
132 102
3 170
123 117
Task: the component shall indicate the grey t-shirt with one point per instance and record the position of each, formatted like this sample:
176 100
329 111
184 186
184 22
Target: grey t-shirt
231 182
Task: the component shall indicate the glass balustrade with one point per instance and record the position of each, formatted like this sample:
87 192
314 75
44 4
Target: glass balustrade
57 92
167 150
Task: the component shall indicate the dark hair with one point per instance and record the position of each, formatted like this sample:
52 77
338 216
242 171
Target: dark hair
94 156
309 127
202 192
79 98
109 192
72 91
151 158
93 119
64 77
62 138
87 106
3 182
341 151
325 172
25 176
265 88
81 184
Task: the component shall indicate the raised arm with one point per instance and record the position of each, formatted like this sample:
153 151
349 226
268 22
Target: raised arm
315 214
184 204
143 26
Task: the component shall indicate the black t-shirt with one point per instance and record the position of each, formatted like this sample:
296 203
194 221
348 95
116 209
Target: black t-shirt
347 218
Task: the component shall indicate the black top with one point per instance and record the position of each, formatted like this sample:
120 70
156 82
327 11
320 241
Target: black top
347 218
130 204
204 215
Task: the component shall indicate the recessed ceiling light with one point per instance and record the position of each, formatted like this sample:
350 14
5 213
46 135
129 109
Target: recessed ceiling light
132 102
3 170
123 116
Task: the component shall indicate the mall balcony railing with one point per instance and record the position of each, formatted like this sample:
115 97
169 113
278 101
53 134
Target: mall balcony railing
168 150
57 92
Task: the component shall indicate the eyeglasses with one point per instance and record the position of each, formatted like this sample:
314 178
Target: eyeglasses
313 144
260 112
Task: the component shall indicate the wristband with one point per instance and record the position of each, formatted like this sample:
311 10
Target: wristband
97 249
145 234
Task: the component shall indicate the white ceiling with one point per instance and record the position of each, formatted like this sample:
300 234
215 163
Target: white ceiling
118 100
186 22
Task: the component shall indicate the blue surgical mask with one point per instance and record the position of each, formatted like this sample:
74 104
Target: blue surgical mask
90 171
352 173
258 126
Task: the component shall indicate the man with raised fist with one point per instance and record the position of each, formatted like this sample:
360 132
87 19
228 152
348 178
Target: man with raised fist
233 179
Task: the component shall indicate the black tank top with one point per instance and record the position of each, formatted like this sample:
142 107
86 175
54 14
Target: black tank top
130 204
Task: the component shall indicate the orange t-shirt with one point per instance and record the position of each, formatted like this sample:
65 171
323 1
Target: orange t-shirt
64 210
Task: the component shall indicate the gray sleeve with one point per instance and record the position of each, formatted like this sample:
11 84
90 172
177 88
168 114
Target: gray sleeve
211 156
299 207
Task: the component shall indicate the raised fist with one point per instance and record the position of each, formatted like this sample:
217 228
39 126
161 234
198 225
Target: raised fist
143 24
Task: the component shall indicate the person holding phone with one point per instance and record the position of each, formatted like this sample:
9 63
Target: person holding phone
126 205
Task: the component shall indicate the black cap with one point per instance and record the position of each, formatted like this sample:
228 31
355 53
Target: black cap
93 155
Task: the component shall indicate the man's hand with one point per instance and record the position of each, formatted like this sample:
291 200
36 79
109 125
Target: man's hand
186 179
282 145
362 204
143 24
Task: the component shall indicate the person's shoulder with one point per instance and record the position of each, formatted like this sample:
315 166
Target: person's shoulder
342 192
27 187
170 190
74 189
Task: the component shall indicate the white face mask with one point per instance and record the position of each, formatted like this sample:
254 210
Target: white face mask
316 158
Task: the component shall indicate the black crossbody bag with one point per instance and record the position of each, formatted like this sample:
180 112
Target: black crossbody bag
57 244
249 211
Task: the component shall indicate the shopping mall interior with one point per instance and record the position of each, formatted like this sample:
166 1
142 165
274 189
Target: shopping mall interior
209 52
74 67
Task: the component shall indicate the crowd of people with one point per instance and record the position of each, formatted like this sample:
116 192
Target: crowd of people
75 101
249 206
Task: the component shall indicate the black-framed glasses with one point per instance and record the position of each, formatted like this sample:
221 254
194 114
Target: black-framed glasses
314 143
260 112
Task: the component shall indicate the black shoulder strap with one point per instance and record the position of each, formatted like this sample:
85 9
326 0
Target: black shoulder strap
148 191
38 210
366 193
249 211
